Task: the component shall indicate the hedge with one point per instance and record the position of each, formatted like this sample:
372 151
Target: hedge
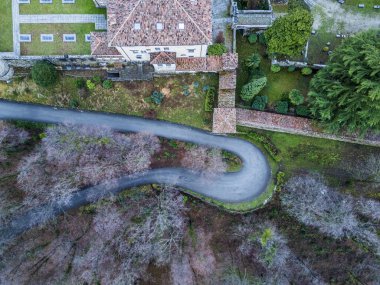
209 99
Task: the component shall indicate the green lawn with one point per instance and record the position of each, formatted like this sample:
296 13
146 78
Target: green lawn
80 7
279 84
6 31
58 47
317 42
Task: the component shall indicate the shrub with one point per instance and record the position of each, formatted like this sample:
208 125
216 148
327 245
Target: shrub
107 84
217 49
253 61
96 79
262 39
296 97
252 88
157 97
302 111
44 74
306 71
260 102
266 143
80 83
291 68
252 38
209 99
90 85
282 107
275 68
220 38
326 49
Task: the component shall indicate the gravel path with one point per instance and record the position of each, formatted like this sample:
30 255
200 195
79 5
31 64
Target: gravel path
245 185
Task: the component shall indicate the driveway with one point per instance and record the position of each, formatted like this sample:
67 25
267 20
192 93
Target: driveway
245 185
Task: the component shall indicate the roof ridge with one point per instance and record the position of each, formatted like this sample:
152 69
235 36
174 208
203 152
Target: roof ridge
192 20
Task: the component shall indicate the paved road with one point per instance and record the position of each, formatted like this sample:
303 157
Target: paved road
245 185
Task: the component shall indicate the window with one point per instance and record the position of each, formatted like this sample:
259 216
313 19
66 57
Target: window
139 56
160 65
166 48
68 1
191 56
46 1
160 26
25 38
47 38
69 37
168 65
87 38
148 49
135 51
157 49
137 26
183 54
181 26
24 1
191 50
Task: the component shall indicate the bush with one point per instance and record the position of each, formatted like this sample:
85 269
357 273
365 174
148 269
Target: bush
90 85
209 99
260 102
44 74
96 79
296 97
220 38
302 111
262 39
217 49
326 49
282 107
253 61
157 97
291 68
252 38
275 68
107 84
306 71
252 88
266 143
80 83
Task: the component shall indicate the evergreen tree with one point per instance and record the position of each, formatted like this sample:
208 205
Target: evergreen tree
253 88
253 61
346 94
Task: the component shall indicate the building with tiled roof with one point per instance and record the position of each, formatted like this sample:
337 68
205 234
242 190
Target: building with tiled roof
165 28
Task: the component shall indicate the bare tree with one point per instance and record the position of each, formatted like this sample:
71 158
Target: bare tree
207 161
10 136
365 167
72 157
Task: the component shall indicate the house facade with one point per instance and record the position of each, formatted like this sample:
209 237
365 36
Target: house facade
155 31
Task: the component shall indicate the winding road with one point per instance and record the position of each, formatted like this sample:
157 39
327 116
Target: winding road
244 185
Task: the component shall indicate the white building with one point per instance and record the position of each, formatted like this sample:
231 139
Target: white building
159 31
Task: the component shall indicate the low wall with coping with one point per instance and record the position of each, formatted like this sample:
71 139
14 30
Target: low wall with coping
295 125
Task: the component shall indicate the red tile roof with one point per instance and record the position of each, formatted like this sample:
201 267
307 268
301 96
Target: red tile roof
99 46
163 58
196 16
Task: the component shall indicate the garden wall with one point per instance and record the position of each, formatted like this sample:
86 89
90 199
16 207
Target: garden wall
295 125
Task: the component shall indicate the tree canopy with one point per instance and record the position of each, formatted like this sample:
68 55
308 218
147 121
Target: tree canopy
288 34
253 88
44 74
346 94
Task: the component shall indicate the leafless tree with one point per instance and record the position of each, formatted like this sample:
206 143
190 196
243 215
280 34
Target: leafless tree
208 161
72 157
365 167
312 202
10 136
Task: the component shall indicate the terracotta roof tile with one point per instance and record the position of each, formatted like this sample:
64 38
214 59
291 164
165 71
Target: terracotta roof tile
195 15
163 58
224 120
230 61
99 46
227 80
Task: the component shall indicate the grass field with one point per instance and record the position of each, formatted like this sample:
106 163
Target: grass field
6 31
58 47
279 84
317 42
130 98
80 7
